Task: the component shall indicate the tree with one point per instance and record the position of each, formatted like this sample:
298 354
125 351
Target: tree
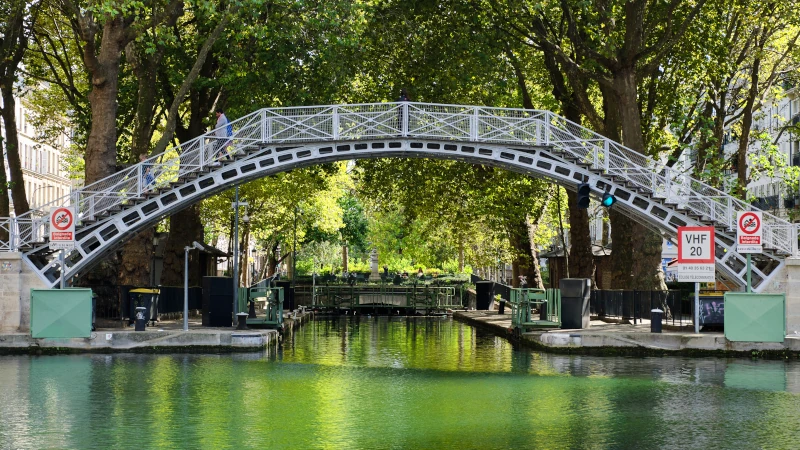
16 25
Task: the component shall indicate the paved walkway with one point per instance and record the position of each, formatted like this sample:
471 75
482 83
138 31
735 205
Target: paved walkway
166 336
603 337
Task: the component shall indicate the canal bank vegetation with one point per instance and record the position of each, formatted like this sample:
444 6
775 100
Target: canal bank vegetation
672 80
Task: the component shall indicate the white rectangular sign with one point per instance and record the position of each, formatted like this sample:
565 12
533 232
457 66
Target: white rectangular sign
62 228
696 254
696 273
749 231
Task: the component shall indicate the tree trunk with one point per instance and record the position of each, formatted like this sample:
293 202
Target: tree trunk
645 244
747 122
621 259
523 254
136 258
581 258
184 227
461 255
344 258
4 204
17 183
103 69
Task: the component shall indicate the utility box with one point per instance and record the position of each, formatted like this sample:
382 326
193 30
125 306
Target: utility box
575 295
753 317
484 292
288 294
217 302
61 313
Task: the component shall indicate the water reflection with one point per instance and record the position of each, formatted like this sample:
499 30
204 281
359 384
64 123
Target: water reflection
407 383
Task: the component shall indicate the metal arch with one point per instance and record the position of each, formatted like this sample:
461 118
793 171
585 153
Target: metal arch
605 162
98 239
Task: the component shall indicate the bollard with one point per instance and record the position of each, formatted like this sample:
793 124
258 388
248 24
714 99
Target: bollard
141 320
242 321
502 308
655 320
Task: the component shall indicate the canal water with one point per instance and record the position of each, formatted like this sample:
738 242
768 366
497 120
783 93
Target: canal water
396 383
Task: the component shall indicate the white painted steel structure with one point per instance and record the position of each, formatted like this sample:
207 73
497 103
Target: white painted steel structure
538 143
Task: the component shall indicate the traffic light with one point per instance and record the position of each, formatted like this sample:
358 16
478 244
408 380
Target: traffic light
583 195
608 200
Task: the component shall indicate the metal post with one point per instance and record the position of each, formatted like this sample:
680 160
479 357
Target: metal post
236 256
749 274
294 248
63 269
697 308
186 289
335 123
405 119
139 176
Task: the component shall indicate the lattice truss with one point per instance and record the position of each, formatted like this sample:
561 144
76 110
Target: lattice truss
275 139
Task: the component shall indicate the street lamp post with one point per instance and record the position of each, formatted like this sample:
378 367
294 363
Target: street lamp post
236 204
33 196
297 211
186 283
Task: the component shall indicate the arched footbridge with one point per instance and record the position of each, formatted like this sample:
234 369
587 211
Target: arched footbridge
272 140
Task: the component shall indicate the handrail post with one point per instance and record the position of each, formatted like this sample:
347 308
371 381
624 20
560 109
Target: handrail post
795 230
139 176
606 156
405 120
13 235
201 157
473 125
729 215
263 127
335 123
547 130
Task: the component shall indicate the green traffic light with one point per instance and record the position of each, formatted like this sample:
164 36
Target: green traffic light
608 200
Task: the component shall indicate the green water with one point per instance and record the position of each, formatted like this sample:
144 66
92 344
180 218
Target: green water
379 383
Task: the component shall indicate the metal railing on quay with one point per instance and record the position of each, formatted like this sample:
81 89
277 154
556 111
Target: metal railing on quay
535 308
635 306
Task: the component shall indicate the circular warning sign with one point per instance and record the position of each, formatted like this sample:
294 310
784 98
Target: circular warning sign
62 219
749 223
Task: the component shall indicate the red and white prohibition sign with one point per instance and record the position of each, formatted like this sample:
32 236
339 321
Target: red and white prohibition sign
62 228
749 228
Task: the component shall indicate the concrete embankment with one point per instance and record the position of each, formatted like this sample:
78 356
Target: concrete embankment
166 337
625 339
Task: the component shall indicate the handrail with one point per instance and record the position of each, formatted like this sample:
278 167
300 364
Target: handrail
350 122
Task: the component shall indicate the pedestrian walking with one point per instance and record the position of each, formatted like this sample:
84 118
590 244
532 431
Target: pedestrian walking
147 173
403 98
224 130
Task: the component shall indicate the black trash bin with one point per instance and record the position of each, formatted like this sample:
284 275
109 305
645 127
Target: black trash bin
502 308
656 316
146 297
141 318
575 294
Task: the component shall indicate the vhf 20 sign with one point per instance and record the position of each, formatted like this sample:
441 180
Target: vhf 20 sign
696 254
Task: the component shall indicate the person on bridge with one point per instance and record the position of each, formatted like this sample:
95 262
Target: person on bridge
223 131
403 98
147 173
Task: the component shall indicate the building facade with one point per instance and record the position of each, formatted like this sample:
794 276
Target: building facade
43 165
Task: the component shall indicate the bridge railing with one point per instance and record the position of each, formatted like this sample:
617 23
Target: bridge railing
662 181
405 119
